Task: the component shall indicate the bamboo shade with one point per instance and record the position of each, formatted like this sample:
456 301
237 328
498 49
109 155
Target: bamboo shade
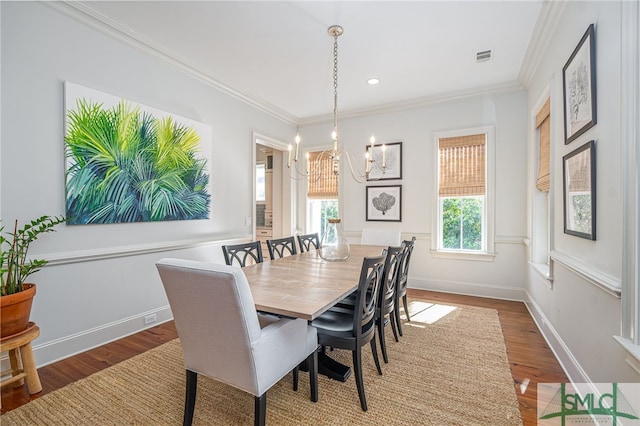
462 165
543 124
323 183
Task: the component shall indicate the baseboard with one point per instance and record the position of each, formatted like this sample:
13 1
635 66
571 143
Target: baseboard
67 346
568 362
470 289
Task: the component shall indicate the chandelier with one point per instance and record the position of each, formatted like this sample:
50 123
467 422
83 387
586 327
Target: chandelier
336 153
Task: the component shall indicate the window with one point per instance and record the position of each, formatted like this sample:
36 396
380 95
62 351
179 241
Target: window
463 202
461 193
322 192
540 235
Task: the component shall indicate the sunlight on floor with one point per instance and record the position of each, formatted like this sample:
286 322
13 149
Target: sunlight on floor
427 313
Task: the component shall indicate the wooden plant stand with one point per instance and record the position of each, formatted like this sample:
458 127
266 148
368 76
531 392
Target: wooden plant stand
23 365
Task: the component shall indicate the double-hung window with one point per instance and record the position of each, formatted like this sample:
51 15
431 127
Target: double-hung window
463 202
540 225
322 192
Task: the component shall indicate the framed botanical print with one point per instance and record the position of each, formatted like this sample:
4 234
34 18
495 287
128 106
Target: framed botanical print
579 174
384 203
579 87
387 161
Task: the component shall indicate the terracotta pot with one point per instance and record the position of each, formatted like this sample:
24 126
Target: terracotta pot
15 310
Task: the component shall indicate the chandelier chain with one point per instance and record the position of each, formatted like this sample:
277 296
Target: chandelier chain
335 82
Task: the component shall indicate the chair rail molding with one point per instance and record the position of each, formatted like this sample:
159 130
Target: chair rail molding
600 279
78 256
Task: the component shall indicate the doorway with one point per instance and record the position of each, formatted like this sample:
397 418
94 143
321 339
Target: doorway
273 196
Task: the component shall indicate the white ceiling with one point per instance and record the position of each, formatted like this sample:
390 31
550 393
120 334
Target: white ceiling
279 54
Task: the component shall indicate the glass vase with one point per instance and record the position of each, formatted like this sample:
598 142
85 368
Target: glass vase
334 245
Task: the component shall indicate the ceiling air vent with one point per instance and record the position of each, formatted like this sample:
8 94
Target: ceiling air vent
483 56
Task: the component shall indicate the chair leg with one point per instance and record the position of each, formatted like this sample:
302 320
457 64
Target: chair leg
296 373
397 314
383 345
394 327
260 411
357 368
190 397
406 307
374 351
313 375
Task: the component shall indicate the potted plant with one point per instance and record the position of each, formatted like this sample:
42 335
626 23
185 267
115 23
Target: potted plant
16 296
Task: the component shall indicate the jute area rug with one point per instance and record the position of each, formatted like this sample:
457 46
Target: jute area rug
449 368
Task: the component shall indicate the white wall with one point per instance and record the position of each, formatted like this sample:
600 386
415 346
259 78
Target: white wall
101 281
504 276
578 317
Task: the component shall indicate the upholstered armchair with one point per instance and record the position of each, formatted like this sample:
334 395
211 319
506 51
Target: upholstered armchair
223 337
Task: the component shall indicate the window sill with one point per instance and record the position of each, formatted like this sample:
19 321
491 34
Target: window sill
633 352
463 255
543 270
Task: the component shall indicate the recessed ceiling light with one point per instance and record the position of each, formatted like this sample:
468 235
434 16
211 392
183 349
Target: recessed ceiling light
373 81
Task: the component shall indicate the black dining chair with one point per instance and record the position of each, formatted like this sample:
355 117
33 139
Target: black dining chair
352 330
243 254
386 305
401 288
282 247
309 242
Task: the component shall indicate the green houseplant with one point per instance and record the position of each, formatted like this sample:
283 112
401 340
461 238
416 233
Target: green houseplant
16 295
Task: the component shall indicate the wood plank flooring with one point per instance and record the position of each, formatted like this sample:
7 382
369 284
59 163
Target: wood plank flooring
531 360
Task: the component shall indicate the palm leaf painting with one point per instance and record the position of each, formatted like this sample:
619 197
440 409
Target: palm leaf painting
124 165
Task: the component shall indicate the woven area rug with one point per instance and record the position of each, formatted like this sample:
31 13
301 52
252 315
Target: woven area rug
449 368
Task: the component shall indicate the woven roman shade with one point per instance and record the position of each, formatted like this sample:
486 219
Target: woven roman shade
462 165
323 183
543 124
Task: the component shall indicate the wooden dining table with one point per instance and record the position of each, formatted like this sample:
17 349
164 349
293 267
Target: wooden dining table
305 285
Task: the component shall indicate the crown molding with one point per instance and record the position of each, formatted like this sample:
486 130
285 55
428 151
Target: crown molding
415 103
83 12
548 20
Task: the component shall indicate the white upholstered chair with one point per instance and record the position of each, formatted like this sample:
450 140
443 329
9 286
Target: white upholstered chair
381 237
223 337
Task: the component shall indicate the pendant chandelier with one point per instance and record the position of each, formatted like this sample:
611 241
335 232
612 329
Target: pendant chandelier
336 153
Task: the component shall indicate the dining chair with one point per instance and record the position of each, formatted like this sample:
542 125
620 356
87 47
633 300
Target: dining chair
401 288
381 237
223 337
282 247
308 242
352 330
386 305
243 254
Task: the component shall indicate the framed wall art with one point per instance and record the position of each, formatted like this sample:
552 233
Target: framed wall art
384 203
579 87
127 162
391 157
579 174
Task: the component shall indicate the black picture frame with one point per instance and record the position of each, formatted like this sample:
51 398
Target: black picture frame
579 87
384 203
393 162
579 182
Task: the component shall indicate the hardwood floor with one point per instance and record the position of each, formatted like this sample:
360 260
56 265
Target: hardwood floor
531 360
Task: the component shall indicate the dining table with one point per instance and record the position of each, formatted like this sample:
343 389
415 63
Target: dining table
305 285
